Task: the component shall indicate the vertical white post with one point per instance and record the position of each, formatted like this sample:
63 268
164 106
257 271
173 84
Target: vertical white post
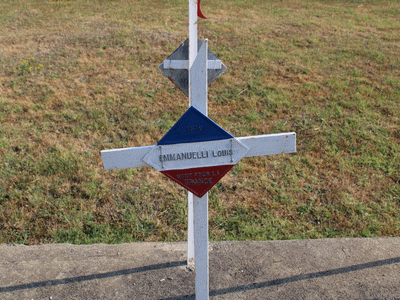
198 79
192 57
198 96
201 246
192 31
190 253
198 207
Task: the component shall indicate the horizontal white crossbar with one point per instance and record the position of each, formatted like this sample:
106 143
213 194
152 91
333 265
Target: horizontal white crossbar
183 64
259 145
270 144
125 158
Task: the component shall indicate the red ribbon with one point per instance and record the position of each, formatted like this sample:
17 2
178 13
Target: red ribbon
199 13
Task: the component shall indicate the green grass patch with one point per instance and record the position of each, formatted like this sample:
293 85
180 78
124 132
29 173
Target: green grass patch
78 77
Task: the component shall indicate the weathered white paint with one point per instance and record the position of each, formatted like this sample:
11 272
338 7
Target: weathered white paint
270 144
259 145
198 80
214 64
125 158
184 64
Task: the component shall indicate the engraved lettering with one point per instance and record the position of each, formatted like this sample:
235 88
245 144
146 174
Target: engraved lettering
195 127
194 155
202 174
182 176
198 181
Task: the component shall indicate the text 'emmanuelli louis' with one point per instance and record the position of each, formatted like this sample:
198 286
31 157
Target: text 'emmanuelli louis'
195 155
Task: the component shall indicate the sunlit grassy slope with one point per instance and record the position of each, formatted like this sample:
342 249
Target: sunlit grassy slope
77 77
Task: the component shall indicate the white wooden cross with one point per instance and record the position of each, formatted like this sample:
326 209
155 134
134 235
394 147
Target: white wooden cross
261 145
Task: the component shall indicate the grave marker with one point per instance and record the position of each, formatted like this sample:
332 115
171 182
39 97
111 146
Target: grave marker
196 152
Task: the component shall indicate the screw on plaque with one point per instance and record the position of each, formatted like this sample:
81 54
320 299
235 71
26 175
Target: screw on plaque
161 159
231 151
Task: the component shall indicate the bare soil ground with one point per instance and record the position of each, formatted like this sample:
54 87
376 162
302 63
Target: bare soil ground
308 269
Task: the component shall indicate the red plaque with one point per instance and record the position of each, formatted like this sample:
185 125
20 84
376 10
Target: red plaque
198 180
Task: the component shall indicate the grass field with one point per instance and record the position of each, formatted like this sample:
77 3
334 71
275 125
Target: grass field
78 77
